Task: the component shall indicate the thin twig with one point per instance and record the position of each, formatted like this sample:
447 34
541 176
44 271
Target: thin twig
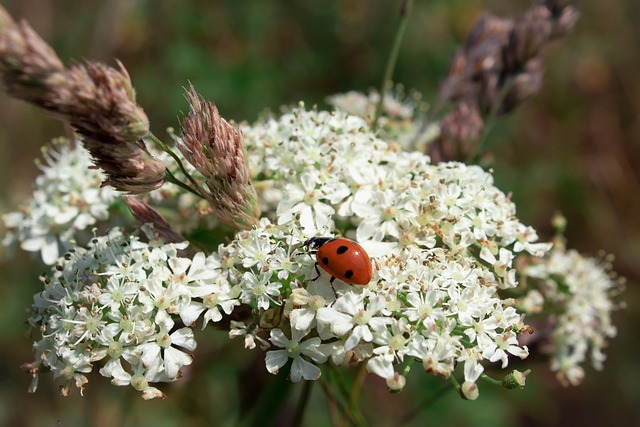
302 403
164 147
427 402
405 11
490 120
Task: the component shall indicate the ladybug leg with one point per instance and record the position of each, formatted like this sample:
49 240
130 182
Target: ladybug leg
335 294
317 272
330 281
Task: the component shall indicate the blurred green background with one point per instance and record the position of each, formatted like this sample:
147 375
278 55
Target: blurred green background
573 148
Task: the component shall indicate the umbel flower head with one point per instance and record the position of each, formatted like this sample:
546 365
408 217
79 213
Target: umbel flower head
442 240
581 290
98 102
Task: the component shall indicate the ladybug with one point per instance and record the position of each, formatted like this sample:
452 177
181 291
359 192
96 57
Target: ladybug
342 258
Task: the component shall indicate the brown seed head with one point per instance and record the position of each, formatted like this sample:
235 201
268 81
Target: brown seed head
26 61
527 38
499 67
459 131
215 148
96 100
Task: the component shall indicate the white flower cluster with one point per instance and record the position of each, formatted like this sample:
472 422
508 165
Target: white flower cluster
67 199
582 291
397 119
442 238
363 105
442 241
118 302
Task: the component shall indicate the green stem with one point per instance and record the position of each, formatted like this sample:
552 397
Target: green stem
164 147
332 403
343 414
357 388
425 404
490 121
170 177
454 382
490 380
405 11
302 403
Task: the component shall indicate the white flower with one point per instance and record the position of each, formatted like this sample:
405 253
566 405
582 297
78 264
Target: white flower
392 347
505 343
295 348
307 305
139 379
260 288
214 298
349 317
309 203
249 332
380 212
163 350
118 291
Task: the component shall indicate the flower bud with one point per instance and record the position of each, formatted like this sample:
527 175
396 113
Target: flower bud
145 214
396 383
469 390
515 379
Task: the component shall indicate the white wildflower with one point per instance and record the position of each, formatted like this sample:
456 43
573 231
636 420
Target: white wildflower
295 348
583 289
67 200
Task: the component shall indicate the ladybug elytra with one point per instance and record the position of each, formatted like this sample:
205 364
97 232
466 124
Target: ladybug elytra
342 258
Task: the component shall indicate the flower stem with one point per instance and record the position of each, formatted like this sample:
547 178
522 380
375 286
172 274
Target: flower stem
170 177
343 413
356 388
490 120
164 147
405 11
444 388
490 380
302 403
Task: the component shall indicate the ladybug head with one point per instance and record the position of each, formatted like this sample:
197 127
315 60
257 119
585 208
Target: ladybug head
315 243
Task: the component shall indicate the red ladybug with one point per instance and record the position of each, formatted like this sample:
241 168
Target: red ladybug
342 258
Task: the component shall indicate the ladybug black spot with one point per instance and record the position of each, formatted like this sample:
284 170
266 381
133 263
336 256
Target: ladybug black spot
348 274
341 250
325 261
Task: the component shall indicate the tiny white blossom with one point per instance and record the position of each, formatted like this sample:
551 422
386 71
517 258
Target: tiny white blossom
295 348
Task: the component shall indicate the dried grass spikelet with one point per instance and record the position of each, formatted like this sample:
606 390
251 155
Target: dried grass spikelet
498 68
459 131
215 148
98 101
26 61
145 214
504 55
